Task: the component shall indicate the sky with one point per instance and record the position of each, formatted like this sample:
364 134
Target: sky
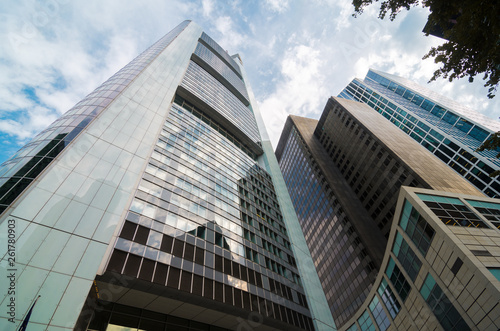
296 53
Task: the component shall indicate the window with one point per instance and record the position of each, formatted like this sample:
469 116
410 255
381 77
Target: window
398 279
388 298
491 211
452 211
365 322
441 306
495 272
420 232
450 118
408 259
463 125
379 314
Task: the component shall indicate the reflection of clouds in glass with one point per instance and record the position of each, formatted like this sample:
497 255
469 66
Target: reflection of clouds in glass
236 247
154 239
237 283
164 257
137 249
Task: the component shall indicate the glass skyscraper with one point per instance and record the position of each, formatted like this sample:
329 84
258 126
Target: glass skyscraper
157 203
448 129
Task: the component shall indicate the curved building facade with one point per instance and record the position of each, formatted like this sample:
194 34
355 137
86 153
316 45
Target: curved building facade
441 269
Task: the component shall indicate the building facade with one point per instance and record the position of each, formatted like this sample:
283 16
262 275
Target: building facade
441 269
448 129
156 203
344 173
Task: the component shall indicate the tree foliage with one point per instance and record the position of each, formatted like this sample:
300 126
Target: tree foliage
492 143
472 28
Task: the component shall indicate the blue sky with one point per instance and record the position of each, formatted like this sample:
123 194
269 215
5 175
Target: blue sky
296 53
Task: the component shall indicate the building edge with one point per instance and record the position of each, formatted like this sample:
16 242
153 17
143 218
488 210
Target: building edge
316 299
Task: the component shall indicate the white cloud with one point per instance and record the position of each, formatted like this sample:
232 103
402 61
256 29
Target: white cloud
15 128
300 90
294 61
207 6
230 39
278 6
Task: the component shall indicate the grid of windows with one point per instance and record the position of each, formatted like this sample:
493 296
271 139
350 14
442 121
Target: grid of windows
417 228
441 131
343 266
365 168
405 255
379 314
208 89
209 42
388 298
491 211
234 82
398 279
441 306
353 327
206 220
452 211
365 322
214 125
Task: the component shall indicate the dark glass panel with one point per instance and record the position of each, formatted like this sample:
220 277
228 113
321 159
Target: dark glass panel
132 265
147 269
173 277
117 261
128 230
141 235
160 273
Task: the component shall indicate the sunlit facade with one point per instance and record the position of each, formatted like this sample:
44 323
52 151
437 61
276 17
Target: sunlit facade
157 203
448 129
344 173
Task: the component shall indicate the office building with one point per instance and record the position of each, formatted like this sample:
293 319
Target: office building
157 203
344 173
448 129
441 270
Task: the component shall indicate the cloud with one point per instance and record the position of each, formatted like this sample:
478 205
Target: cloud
207 6
230 39
62 50
299 91
278 6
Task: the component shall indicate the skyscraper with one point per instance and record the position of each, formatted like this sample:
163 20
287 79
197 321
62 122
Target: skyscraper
156 202
344 173
448 129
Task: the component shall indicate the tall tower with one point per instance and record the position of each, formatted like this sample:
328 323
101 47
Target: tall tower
157 203
344 173
448 129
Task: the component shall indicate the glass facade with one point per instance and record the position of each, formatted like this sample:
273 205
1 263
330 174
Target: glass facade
417 228
161 214
342 261
23 167
447 129
205 220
